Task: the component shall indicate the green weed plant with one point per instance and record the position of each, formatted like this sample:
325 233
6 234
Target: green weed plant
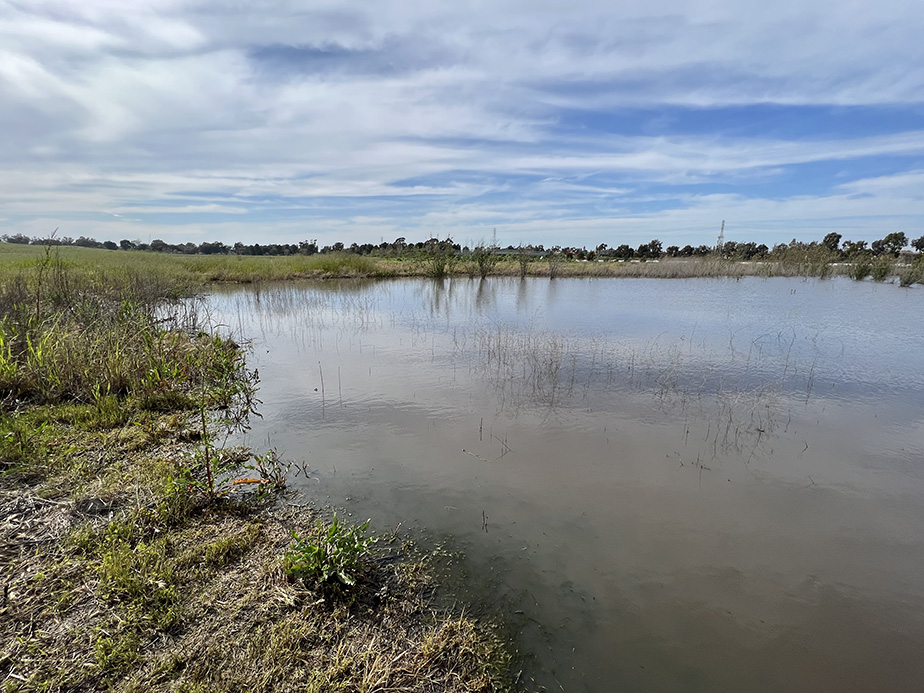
332 557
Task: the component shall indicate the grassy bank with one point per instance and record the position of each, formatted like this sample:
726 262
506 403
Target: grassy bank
138 553
196 270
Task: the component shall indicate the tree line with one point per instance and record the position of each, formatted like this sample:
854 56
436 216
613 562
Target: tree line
890 245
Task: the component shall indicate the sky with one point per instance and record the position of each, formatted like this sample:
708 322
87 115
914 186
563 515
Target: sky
562 123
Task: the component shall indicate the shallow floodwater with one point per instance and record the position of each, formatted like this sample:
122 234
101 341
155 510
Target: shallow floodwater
669 484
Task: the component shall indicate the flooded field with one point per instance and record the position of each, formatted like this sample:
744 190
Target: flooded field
669 484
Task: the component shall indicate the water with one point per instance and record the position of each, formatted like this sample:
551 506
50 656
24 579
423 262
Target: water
669 484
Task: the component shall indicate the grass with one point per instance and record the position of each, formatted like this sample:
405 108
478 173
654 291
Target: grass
132 561
192 271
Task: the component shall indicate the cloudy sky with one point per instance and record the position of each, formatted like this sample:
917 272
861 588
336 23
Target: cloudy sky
574 123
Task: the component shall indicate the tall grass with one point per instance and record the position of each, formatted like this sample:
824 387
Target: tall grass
436 260
79 333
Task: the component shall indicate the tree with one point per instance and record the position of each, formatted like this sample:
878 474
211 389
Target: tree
854 248
892 244
918 244
624 252
832 241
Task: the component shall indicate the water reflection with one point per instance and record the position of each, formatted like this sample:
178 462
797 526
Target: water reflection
690 484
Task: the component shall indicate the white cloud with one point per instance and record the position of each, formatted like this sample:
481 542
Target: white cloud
175 105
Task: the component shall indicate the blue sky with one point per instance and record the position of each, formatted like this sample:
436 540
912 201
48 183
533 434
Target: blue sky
573 123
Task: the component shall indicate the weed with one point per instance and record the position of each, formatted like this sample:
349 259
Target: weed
334 554
116 651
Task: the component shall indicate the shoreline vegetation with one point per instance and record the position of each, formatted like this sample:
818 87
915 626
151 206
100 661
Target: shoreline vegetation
439 259
140 552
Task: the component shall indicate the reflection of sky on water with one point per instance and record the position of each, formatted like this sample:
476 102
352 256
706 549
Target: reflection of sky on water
834 339
699 473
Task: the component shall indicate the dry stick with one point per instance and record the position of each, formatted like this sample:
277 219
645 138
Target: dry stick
321 371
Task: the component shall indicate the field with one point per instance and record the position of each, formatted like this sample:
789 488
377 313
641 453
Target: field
195 270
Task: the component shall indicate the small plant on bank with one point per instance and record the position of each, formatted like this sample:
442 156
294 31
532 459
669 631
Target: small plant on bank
332 557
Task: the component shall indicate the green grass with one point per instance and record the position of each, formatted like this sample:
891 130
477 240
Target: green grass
190 271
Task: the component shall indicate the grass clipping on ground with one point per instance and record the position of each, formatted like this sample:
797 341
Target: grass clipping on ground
130 560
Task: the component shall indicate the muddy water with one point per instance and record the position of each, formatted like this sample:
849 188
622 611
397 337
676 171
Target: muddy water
671 484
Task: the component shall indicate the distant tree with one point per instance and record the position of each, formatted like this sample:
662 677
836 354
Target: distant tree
17 238
109 245
852 248
918 244
624 252
214 248
832 241
126 244
891 244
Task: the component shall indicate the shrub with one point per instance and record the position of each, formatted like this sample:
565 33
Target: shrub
881 268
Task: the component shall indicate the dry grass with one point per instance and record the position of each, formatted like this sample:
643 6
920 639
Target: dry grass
102 592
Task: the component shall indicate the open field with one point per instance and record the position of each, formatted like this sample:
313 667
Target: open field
140 553
195 270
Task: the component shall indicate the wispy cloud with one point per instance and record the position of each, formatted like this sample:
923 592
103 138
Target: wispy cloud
580 124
